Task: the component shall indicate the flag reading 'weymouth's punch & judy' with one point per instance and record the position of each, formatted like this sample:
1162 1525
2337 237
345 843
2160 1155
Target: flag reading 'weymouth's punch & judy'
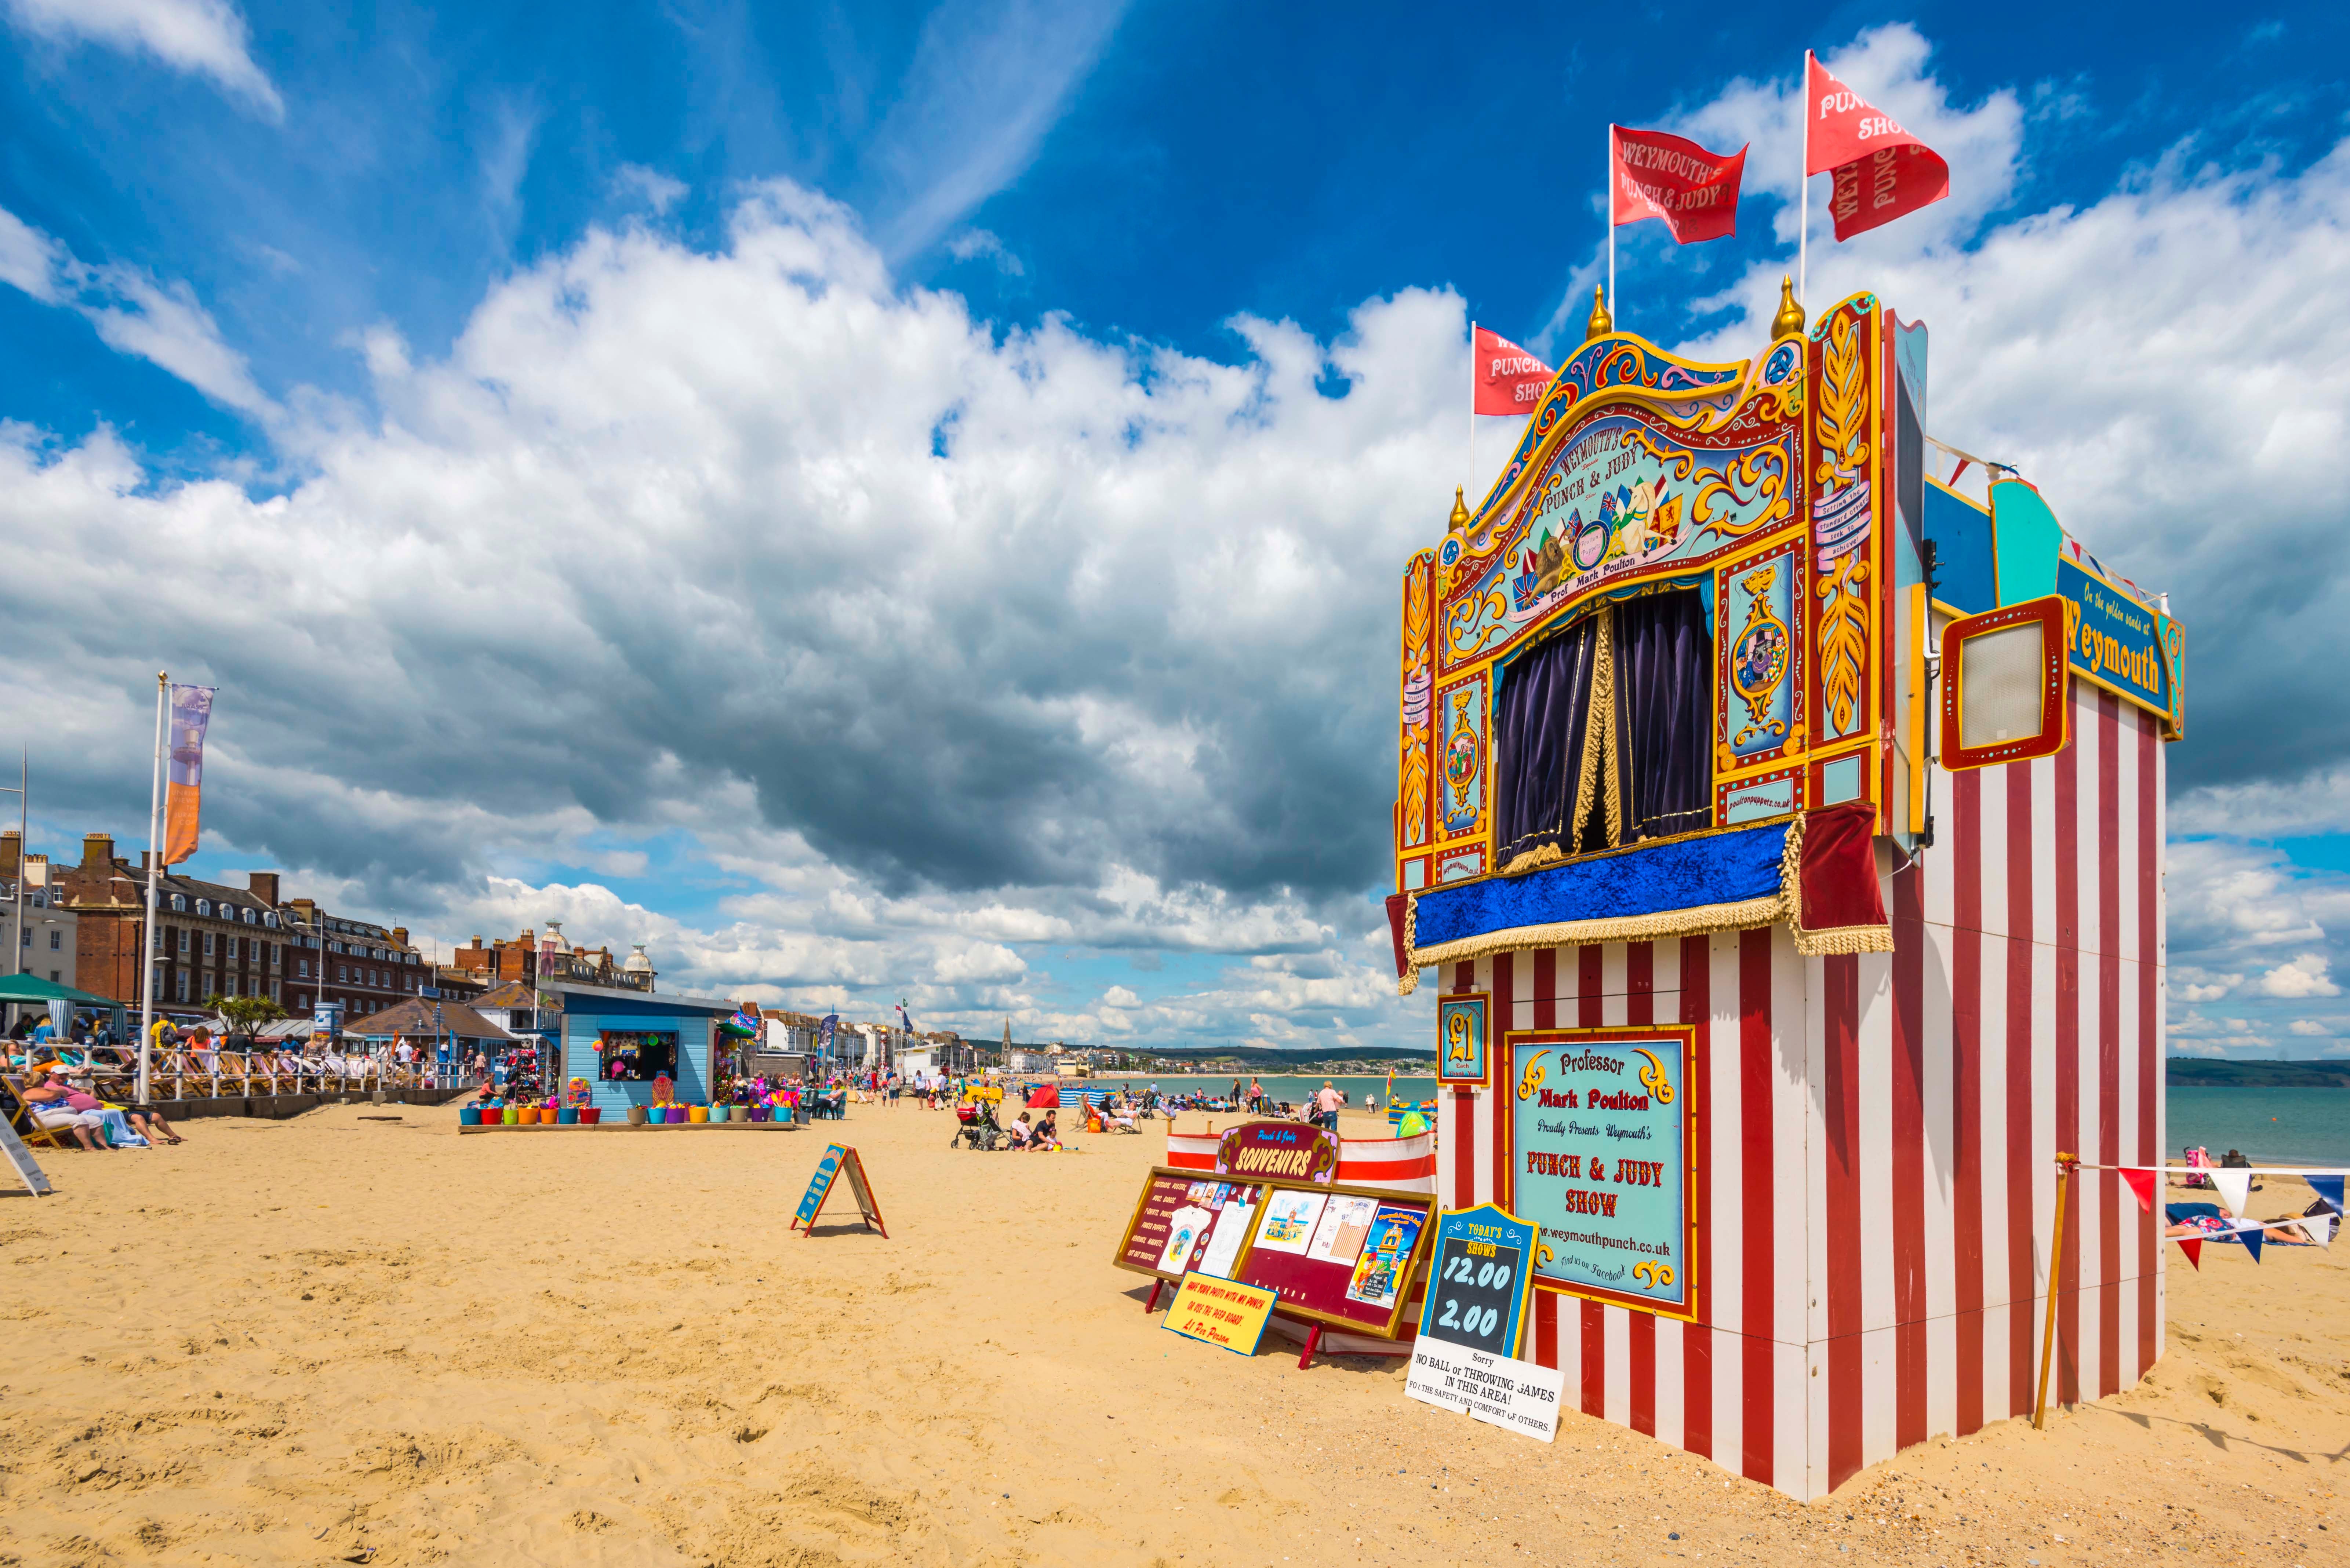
1653 175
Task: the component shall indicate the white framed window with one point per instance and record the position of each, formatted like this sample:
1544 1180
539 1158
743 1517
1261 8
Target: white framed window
56 941
301 968
343 973
179 904
210 946
183 941
273 991
179 986
204 905
270 919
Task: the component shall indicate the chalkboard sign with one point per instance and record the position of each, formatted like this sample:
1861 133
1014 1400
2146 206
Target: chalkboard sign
1477 1289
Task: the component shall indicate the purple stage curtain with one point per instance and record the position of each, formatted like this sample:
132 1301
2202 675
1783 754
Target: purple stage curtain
1664 699
1542 712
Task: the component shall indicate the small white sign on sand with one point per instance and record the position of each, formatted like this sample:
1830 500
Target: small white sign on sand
1498 1389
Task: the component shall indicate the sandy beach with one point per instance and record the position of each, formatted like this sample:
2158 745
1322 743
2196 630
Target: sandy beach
343 1339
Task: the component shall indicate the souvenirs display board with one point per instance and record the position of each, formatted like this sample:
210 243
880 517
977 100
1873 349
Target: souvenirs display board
1187 1223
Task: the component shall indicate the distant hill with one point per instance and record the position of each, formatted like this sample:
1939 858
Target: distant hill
1377 1058
2213 1072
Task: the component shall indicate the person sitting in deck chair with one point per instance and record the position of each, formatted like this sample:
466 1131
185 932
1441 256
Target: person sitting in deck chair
125 1124
45 1099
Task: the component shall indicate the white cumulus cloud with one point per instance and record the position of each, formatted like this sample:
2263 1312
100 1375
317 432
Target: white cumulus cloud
203 37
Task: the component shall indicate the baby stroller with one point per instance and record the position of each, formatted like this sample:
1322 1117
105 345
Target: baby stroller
978 1128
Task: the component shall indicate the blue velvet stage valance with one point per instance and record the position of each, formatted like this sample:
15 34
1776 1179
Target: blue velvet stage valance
1817 870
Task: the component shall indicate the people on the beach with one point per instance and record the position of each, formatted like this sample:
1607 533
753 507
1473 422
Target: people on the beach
50 1102
1327 1102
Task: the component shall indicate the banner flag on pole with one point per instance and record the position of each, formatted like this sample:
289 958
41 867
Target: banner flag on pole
2235 1189
1659 176
2191 1248
2328 1188
1882 172
192 711
824 1031
2141 1182
1509 380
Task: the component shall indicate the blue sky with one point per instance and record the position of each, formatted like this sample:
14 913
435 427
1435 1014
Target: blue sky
902 501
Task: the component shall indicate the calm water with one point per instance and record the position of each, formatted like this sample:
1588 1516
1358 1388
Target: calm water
1293 1089
2281 1126
2286 1126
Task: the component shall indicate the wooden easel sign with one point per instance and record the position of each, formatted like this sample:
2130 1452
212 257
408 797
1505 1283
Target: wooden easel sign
837 1158
22 1158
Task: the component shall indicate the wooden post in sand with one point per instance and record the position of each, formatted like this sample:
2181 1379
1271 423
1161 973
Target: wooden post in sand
2065 1163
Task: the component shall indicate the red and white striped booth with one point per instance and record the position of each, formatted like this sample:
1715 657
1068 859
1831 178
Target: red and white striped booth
1950 972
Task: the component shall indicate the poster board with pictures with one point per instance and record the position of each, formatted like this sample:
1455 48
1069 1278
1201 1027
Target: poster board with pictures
1343 1256
1463 1054
1187 1221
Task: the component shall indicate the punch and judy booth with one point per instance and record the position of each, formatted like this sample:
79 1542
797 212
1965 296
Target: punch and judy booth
1779 819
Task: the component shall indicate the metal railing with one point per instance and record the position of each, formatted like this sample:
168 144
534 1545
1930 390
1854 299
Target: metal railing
188 1075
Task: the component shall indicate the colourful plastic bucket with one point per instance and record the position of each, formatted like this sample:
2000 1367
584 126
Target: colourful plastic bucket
510 1115
721 1112
589 1116
567 1117
697 1114
676 1116
470 1116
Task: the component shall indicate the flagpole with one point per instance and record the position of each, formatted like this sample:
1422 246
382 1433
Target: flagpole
154 854
1612 307
1804 224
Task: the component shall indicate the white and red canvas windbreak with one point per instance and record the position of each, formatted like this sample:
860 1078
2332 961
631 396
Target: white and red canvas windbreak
1874 1177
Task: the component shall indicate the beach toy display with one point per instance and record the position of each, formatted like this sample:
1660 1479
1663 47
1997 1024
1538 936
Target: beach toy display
1908 695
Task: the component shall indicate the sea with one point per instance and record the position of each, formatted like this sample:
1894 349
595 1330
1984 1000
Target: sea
2272 1126
2291 1125
1292 1088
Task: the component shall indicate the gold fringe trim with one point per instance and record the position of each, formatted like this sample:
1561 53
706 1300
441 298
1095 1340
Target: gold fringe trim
1534 860
1603 703
1841 939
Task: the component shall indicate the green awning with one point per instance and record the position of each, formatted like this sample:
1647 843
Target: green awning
26 988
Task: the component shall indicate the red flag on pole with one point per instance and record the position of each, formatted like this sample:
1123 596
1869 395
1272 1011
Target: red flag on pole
1670 177
1882 172
1509 380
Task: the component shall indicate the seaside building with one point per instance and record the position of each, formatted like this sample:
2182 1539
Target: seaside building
51 941
533 958
1788 811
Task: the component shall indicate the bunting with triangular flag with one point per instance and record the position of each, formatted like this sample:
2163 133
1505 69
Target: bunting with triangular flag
2235 1189
2251 1233
2141 1182
2191 1248
2329 1190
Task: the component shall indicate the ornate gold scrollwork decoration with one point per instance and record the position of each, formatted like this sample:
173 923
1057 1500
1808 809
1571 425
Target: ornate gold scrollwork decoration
1530 1079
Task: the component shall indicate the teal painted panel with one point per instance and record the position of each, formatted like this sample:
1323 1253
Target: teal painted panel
2028 541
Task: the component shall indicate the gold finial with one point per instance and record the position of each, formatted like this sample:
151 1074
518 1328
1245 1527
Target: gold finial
1789 322
1601 324
1460 518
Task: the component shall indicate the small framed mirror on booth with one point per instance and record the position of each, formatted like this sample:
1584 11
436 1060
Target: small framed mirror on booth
2004 693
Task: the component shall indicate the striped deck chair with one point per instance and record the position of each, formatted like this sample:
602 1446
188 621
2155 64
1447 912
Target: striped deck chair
19 1113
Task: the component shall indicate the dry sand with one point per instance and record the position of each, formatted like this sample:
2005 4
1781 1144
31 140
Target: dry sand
311 1341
